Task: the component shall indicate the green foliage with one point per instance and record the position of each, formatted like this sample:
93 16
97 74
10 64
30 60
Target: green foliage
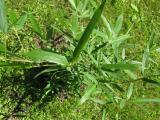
3 18
118 24
88 92
72 2
119 66
21 22
130 91
104 115
36 28
2 48
119 63
87 32
147 100
40 56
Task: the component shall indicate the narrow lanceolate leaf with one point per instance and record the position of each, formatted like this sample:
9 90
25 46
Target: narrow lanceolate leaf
104 114
16 64
118 24
122 103
46 71
144 60
107 25
3 17
39 56
119 66
134 7
50 33
118 87
151 81
98 101
131 74
35 26
147 100
21 22
130 91
12 16
85 37
151 40
73 3
88 93
2 48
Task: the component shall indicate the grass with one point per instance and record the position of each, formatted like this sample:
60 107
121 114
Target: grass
104 80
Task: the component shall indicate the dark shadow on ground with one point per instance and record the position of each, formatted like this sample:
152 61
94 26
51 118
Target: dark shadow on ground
24 90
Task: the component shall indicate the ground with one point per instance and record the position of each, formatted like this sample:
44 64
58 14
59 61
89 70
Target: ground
21 97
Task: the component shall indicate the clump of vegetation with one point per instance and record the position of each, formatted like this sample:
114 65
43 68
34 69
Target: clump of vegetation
90 61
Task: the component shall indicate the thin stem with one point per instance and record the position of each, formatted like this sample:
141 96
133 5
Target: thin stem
141 78
6 38
16 33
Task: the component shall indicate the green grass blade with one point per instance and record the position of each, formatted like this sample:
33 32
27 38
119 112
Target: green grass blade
39 56
3 17
85 37
119 66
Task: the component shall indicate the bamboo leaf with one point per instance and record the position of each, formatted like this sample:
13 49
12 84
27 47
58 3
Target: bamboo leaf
3 17
39 56
86 34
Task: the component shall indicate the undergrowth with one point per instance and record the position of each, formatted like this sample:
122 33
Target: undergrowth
79 59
